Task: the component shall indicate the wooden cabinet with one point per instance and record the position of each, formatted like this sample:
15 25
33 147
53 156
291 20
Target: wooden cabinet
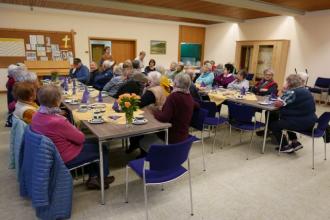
256 56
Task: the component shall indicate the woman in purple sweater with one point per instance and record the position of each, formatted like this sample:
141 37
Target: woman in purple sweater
178 109
225 78
69 141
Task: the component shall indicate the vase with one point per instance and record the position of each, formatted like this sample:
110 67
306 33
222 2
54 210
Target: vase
129 118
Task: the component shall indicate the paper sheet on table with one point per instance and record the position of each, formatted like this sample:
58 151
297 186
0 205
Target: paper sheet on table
220 97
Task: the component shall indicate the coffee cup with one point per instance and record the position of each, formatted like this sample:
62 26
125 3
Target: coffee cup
83 107
139 117
74 101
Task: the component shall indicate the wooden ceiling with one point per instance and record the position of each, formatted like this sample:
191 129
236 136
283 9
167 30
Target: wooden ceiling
193 11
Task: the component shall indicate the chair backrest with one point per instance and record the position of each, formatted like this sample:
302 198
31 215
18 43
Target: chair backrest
323 121
322 82
198 118
210 106
167 157
249 76
240 113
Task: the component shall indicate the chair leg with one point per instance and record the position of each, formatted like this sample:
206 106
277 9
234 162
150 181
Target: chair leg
247 156
83 174
229 135
325 146
145 199
280 147
313 154
126 191
203 149
162 187
76 174
215 134
223 140
190 189
209 128
240 137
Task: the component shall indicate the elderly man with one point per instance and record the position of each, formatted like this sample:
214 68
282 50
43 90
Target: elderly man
140 58
103 78
79 71
297 113
267 85
171 70
93 71
207 77
120 77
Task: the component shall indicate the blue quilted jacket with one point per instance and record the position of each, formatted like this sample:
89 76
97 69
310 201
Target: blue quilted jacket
44 178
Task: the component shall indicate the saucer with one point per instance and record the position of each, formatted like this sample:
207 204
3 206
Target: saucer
96 121
264 103
140 122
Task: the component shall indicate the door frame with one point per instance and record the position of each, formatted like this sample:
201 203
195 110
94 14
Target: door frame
109 39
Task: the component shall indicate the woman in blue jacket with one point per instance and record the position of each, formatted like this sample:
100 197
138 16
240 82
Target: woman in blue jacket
207 77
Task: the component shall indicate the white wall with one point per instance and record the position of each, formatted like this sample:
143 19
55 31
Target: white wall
94 25
309 37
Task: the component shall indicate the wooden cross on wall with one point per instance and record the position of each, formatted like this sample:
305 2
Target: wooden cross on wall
66 39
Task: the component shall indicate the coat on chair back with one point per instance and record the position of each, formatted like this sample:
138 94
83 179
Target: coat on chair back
44 178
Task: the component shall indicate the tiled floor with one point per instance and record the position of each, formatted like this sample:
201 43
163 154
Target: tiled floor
265 187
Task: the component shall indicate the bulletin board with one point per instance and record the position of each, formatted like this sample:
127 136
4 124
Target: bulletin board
19 45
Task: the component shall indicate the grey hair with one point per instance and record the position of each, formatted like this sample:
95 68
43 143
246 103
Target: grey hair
11 70
107 64
182 82
118 70
294 81
26 77
303 76
269 70
154 77
18 73
160 69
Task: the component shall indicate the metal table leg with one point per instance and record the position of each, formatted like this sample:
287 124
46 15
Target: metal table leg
101 172
266 131
166 136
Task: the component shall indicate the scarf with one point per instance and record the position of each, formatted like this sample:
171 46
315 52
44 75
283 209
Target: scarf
49 111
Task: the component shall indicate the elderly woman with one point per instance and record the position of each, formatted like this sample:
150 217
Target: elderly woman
207 76
171 70
178 109
26 94
226 77
69 141
151 67
240 82
267 85
193 89
155 94
119 78
93 71
297 113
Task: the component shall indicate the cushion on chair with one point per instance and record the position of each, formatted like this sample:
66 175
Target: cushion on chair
155 176
214 121
247 126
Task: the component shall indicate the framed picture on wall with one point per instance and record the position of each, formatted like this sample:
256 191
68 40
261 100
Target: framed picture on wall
157 47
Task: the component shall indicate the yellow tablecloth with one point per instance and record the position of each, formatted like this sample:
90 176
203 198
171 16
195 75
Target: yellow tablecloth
79 94
219 97
80 116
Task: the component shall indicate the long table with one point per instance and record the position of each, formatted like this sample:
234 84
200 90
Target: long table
254 103
109 131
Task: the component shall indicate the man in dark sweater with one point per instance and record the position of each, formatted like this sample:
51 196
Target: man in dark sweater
178 109
297 113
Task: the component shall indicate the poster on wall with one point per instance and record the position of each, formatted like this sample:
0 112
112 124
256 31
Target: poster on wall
31 55
157 47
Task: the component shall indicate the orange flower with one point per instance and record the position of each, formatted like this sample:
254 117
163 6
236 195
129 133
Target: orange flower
127 104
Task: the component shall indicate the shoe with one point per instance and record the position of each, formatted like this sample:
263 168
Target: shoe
109 179
297 146
93 183
287 149
260 133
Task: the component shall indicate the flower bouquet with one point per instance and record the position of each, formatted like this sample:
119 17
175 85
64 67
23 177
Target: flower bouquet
129 103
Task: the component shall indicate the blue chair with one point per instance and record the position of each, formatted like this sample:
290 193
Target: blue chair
249 76
242 117
163 164
212 121
317 132
321 85
197 122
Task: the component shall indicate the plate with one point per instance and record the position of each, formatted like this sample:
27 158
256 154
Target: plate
264 103
67 100
98 121
140 122
239 98
74 103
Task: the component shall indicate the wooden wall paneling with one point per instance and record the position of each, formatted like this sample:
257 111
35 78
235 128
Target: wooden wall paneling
191 34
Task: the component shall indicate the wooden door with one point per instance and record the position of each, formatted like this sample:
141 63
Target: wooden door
123 49
97 51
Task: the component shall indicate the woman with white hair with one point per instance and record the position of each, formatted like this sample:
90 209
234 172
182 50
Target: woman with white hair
267 85
207 77
297 113
178 109
155 95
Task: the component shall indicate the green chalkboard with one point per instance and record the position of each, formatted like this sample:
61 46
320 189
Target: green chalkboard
191 50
